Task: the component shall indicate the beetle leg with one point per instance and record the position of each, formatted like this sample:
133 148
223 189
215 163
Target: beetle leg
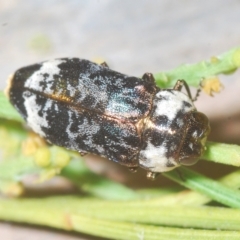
104 64
152 175
148 77
83 153
133 169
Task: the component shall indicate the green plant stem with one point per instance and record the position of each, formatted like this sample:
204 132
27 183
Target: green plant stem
90 183
128 211
226 63
222 153
51 212
78 173
194 198
204 185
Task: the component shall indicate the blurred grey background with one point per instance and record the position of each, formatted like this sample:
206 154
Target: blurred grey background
133 37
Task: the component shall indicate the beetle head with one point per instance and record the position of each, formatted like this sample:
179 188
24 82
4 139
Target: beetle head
194 137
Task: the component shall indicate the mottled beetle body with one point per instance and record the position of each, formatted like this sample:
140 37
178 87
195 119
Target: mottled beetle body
88 107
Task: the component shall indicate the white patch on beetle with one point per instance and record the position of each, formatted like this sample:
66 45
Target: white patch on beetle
180 122
56 108
86 130
194 134
190 146
72 90
94 68
173 147
88 88
170 103
154 158
35 121
71 135
49 68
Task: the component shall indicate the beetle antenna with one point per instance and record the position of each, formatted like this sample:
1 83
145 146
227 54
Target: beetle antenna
197 94
180 83
178 86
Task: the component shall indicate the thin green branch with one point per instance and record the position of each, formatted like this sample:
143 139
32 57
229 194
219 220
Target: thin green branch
128 211
195 198
70 214
193 74
188 197
78 173
207 186
222 153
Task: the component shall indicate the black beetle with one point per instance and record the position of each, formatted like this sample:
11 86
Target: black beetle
88 107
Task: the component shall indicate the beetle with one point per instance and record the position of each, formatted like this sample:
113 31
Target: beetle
84 106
